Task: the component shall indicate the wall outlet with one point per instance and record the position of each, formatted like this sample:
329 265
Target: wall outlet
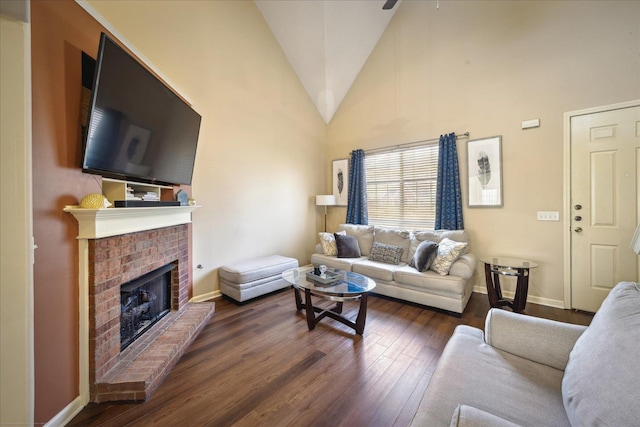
548 216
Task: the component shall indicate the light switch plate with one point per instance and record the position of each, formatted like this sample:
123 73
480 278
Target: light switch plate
548 216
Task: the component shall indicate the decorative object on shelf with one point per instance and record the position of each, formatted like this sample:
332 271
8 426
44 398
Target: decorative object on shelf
325 200
340 182
183 198
94 201
635 242
484 167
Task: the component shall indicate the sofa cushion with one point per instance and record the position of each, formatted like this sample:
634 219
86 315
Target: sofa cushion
395 237
448 252
437 236
388 254
376 270
424 256
429 281
602 378
328 242
347 246
334 261
364 234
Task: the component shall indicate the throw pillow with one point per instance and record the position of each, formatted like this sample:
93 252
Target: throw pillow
347 246
395 237
448 253
364 234
389 254
328 242
424 255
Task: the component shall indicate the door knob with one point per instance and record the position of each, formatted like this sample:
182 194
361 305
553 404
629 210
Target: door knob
578 229
577 207
577 218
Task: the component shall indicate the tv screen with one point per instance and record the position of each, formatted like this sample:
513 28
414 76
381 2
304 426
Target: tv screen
138 129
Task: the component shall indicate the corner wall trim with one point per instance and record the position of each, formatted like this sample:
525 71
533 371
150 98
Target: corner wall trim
207 297
63 417
106 24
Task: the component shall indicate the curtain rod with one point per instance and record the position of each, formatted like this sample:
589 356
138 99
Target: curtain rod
408 144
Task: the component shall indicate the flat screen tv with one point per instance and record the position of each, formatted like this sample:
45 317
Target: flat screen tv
137 128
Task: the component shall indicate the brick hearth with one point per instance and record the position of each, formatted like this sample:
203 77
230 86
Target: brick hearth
136 372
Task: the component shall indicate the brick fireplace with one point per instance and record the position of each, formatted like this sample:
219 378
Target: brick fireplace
110 256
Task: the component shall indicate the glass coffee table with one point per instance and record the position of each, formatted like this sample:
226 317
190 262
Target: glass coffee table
347 286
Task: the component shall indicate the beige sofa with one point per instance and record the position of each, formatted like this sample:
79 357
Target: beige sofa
535 372
449 292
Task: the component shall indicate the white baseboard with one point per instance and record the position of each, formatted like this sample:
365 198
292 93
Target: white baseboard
530 298
65 416
206 297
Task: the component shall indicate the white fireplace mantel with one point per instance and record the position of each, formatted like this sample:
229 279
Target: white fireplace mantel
107 222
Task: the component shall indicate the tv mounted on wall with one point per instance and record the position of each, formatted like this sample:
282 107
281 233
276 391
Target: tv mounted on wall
138 129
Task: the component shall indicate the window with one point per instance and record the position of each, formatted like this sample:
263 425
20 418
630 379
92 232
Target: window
401 187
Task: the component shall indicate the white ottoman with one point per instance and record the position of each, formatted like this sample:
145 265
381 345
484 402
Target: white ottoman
251 278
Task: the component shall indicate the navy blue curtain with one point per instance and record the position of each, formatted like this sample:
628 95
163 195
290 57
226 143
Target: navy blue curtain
357 202
448 194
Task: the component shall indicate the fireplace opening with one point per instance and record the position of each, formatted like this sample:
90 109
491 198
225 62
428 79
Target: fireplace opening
144 301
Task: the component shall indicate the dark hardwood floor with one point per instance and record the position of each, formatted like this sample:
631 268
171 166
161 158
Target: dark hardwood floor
258 365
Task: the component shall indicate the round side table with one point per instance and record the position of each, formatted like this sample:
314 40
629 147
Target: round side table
494 267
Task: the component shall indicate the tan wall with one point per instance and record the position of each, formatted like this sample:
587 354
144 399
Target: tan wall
258 165
16 277
484 67
261 143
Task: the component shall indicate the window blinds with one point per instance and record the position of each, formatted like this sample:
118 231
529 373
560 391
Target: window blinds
401 187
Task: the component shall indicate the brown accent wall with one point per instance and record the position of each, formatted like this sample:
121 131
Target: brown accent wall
60 31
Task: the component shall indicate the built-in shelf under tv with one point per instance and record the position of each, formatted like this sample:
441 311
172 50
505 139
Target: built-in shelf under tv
137 129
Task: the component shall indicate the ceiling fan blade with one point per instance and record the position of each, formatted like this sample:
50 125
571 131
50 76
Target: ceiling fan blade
389 4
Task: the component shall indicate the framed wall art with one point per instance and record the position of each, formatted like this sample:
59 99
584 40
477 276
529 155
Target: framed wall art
484 167
340 181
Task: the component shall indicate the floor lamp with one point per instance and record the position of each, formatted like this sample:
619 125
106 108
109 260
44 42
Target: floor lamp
325 200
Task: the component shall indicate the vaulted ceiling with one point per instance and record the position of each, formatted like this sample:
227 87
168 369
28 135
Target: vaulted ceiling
327 42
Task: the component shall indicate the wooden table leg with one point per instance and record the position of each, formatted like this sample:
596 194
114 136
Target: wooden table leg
338 307
362 315
492 287
296 294
311 317
522 289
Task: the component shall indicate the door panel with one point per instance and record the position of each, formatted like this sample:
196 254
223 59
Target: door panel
604 196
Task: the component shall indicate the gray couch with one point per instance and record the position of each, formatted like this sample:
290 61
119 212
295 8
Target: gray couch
449 292
536 372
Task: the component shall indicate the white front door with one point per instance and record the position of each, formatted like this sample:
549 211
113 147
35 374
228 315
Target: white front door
605 155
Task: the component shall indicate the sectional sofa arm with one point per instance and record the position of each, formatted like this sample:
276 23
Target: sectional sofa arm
541 340
464 266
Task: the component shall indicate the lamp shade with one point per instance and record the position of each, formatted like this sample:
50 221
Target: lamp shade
326 200
635 242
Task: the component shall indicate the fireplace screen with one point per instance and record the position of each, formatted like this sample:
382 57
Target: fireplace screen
144 301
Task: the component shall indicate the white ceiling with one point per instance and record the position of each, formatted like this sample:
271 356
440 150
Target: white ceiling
326 42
